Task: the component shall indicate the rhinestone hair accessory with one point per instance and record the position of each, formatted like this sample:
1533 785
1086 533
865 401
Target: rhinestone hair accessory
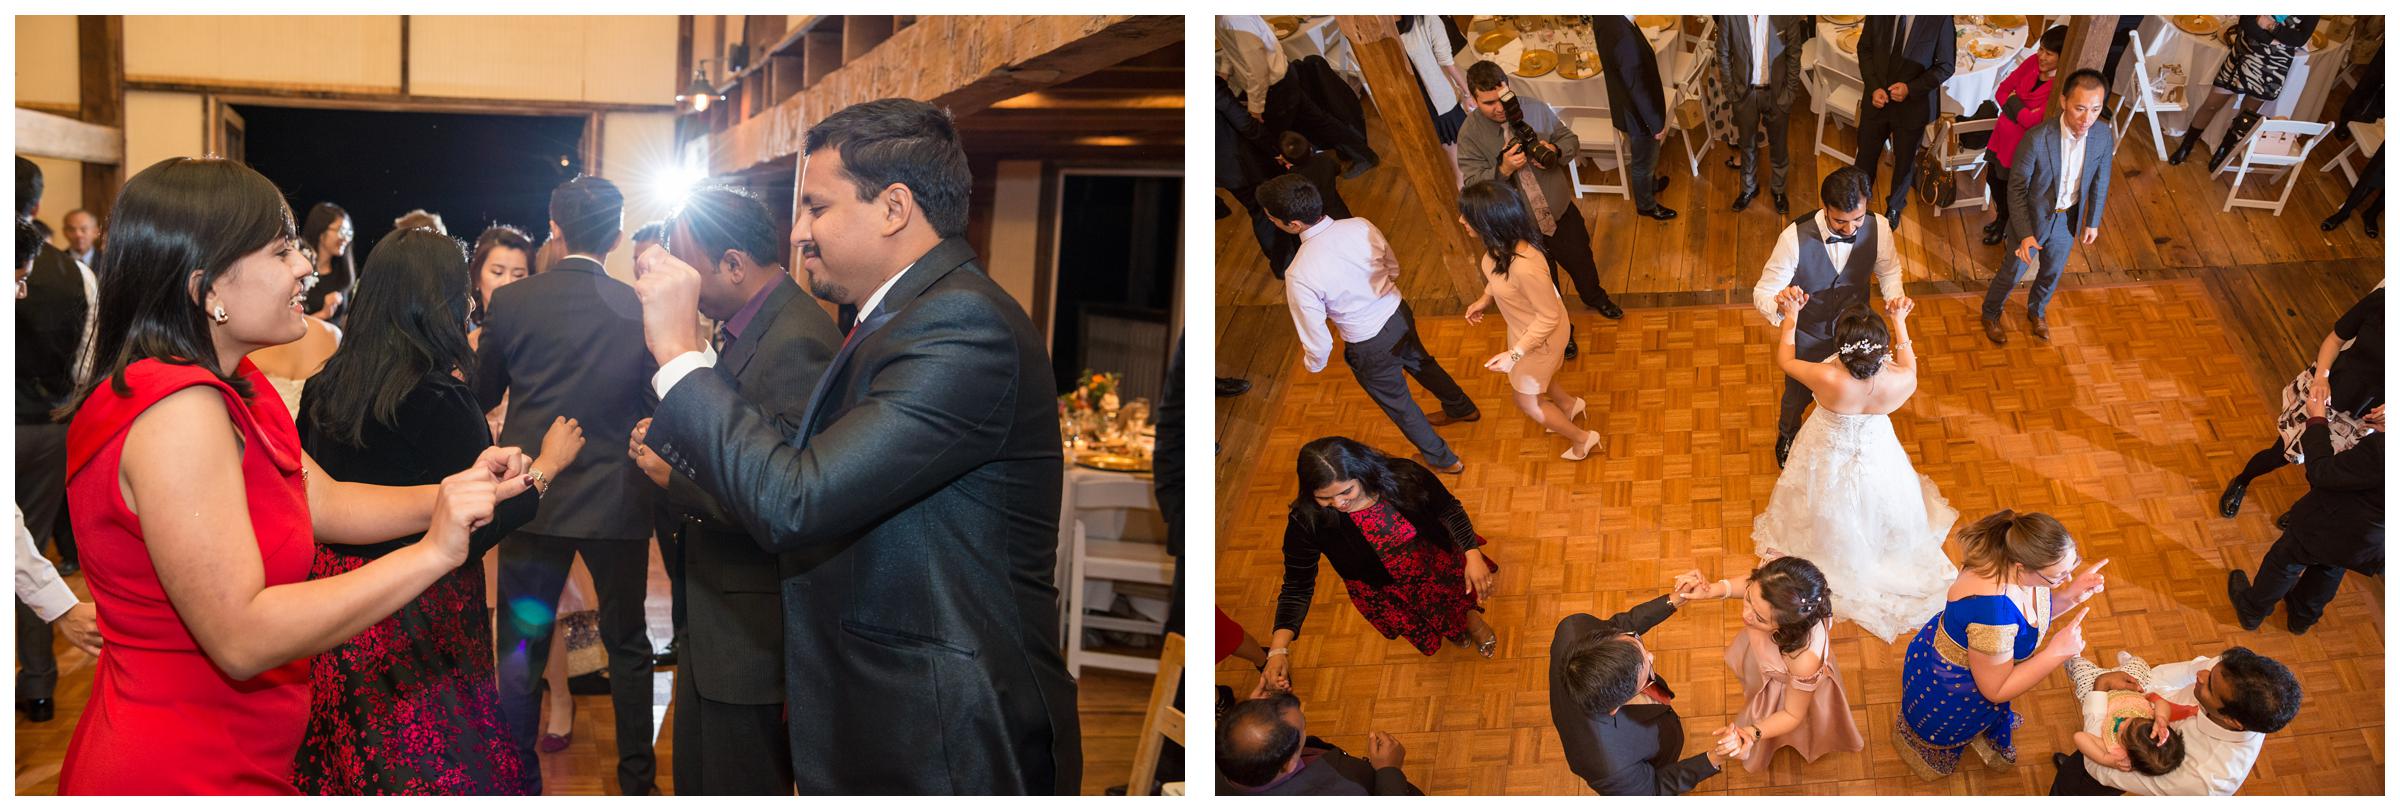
1860 347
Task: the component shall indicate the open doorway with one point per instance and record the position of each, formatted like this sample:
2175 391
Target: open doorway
1116 232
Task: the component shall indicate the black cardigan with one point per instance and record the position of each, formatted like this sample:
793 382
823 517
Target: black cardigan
1313 532
2357 374
439 431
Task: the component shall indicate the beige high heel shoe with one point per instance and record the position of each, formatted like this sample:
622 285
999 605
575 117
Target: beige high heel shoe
1591 442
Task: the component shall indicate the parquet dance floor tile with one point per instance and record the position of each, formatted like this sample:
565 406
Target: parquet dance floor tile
2125 427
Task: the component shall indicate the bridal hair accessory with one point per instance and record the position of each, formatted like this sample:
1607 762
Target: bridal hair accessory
1860 347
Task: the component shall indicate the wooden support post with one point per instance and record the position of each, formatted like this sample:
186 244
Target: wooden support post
1414 149
2087 47
100 48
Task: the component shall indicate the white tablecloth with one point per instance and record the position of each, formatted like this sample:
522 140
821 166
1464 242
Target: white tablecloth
1970 85
1591 91
2304 90
1318 36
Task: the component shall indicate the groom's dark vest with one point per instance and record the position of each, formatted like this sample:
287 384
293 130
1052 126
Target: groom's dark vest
1830 290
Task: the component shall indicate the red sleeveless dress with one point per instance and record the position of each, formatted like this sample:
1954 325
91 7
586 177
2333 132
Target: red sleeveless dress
162 719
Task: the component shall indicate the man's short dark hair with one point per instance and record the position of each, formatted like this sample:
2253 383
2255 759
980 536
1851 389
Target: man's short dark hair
2265 695
1844 190
1295 147
724 218
29 187
652 231
901 141
29 242
1486 75
590 213
1291 198
1258 764
1603 677
2087 78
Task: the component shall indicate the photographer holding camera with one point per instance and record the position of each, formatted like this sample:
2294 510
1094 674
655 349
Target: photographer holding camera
1521 141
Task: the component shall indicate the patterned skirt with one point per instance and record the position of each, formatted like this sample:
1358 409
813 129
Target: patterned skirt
2256 70
1942 714
2345 427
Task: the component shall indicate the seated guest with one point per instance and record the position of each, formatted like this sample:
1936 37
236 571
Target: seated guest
1616 716
1322 169
2242 698
1263 749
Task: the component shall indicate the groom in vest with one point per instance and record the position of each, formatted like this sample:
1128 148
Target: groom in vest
1826 259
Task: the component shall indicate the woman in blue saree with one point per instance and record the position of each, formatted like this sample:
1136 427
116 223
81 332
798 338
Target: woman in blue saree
1987 645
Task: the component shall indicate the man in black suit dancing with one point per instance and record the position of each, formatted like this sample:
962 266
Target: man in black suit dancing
916 500
1615 715
772 344
569 343
1903 61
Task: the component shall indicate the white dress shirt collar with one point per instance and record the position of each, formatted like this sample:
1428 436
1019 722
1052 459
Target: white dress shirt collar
877 298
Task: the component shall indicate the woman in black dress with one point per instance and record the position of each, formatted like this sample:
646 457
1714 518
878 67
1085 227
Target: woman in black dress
2349 369
2263 47
1401 543
409 706
326 234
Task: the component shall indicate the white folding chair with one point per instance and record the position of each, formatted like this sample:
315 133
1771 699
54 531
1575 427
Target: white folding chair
2277 144
1601 144
2153 92
1967 165
1099 559
1843 93
2366 138
1690 77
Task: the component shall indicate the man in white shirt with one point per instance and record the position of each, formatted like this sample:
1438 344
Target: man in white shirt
1828 257
2057 192
1252 63
1345 271
2242 698
45 603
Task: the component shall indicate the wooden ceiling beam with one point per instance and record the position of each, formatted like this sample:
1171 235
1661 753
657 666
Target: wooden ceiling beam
49 135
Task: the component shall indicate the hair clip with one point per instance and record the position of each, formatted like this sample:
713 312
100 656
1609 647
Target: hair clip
1860 347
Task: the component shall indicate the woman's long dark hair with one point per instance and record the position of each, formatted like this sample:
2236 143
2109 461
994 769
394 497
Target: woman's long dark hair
178 215
1500 217
341 272
1339 458
1797 591
498 236
1862 340
410 320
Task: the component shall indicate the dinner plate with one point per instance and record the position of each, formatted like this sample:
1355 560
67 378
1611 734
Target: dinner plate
1491 43
1654 21
2198 24
1537 62
2004 21
1847 40
1115 462
1842 19
1585 65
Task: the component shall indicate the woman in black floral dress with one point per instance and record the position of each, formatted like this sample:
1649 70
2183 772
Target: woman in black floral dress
409 705
1401 543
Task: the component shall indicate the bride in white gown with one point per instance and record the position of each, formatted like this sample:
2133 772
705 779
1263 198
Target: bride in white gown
1849 500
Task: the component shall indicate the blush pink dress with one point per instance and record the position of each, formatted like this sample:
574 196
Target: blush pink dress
1766 680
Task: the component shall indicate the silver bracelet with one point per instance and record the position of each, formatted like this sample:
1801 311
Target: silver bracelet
541 482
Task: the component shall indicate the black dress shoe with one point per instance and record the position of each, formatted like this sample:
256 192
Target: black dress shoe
2373 231
2334 221
38 710
1661 213
1609 308
664 658
68 567
1231 386
1783 450
2230 504
1891 217
1992 234
1573 350
1743 201
1783 205
2235 583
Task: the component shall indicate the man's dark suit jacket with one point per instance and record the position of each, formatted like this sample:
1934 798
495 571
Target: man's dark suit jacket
568 343
49 332
2340 520
1633 751
1636 101
1785 35
1332 773
917 509
1923 63
733 592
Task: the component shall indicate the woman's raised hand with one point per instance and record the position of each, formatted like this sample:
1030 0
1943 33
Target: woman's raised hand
2067 641
462 503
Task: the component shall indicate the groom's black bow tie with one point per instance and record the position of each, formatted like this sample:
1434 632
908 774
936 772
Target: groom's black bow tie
1834 240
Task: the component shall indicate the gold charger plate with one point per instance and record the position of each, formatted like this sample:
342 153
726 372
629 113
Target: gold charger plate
1585 65
1284 24
2004 21
1537 62
1842 19
1491 43
1113 462
1985 50
1847 40
2317 40
2197 24
1654 20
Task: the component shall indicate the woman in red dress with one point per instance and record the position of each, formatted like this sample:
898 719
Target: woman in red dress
1401 543
198 511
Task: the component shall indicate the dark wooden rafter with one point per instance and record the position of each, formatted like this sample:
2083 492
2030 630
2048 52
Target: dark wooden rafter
100 43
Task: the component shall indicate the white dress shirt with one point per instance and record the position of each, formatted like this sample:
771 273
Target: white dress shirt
2215 760
1785 261
1759 34
1344 271
1249 57
38 583
91 321
2070 169
672 372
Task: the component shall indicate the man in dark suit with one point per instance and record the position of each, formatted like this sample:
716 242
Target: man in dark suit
1638 105
1245 153
2338 525
2052 204
916 501
772 344
1263 750
568 343
52 332
1758 59
1615 716
1903 62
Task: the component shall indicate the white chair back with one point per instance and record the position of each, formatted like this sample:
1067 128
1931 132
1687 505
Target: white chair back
1843 93
1601 145
2276 144
1968 164
2153 92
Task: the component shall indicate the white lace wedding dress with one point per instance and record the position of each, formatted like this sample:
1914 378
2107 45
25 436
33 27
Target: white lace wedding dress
1850 502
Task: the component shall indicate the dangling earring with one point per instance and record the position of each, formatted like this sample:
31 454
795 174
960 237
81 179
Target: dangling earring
219 314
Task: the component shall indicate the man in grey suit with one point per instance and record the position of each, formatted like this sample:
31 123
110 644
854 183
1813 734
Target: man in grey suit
1758 59
2057 192
772 343
916 500
568 343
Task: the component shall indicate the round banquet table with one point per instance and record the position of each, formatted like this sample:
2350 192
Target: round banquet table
1590 91
2304 90
1972 83
1318 36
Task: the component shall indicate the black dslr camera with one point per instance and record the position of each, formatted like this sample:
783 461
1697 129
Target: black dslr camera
1521 134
